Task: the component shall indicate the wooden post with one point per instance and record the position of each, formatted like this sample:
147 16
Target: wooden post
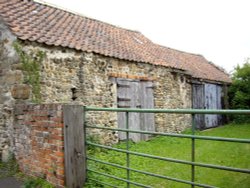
74 137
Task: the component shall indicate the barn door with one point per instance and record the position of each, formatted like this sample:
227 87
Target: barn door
213 101
128 97
219 103
147 101
199 103
135 94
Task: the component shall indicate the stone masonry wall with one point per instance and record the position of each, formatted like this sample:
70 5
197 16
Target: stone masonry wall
12 89
38 141
69 76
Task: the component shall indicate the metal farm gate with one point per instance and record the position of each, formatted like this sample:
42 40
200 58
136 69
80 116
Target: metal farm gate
76 160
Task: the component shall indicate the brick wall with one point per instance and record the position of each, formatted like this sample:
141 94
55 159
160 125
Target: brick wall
38 141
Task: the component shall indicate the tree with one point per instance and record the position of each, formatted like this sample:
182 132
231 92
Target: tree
239 91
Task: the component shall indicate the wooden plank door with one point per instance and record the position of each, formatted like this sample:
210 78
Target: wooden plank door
199 103
134 118
147 122
219 103
135 94
211 98
127 97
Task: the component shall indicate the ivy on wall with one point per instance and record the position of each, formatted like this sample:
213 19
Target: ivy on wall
31 66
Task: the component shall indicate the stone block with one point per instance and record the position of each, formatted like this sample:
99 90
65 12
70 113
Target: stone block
13 77
21 91
5 154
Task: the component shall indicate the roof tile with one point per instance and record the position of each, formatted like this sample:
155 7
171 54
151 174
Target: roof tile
33 21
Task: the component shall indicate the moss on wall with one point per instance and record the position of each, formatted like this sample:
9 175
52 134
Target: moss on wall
31 66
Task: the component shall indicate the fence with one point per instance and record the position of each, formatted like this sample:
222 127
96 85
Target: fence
193 138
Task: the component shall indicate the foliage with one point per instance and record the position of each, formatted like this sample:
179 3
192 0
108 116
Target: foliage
9 168
212 152
31 66
239 91
36 183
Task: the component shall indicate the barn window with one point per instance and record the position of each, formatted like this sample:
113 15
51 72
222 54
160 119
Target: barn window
182 79
135 94
73 91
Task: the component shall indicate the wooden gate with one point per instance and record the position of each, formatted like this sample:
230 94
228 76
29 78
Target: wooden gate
135 94
74 151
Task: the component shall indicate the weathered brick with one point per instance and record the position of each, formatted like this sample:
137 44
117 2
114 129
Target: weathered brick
59 153
45 151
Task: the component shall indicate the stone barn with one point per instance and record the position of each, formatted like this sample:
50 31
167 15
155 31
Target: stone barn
49 55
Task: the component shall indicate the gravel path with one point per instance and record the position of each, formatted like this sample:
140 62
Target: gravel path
10 182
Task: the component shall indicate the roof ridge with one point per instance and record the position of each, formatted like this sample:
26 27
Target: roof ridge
182 51
79 14
218 67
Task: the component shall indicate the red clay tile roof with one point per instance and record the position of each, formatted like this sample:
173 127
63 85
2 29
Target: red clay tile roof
33 21
195 64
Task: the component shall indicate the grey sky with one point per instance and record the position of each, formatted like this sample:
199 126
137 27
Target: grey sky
217 29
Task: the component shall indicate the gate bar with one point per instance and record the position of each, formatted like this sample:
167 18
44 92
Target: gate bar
127 147
173 111
152 174
193 152
121 179
176 135
174 160
103 183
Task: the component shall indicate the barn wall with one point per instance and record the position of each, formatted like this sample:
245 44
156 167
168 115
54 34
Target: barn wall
12 89
87 78
70 76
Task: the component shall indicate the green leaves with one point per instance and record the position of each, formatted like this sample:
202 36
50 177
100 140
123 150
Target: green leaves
9 168
239 91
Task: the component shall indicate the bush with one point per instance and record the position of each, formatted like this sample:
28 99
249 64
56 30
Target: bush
239 91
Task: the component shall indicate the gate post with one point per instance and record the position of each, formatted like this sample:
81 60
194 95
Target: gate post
74 137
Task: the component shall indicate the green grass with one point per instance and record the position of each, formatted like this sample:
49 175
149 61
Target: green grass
212 152
34 182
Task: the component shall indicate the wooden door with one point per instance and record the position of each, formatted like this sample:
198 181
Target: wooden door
207 96
219 103
199 103
135 94
127 97
147 121
213 95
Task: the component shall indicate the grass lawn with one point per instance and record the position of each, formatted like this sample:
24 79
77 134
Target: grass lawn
212 152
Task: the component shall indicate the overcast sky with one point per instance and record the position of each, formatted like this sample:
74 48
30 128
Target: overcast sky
217 29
